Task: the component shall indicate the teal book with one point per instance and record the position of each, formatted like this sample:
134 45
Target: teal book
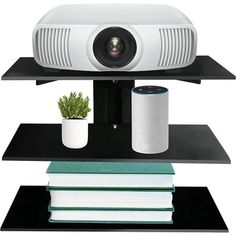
143 216
110 168
89 208
111 198
110 175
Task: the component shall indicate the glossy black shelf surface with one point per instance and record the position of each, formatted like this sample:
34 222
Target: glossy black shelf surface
42 142
204 67
195 211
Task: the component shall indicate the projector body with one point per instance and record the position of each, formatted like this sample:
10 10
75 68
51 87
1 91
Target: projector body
114 37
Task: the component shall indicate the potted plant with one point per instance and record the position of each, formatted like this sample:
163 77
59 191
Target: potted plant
74 110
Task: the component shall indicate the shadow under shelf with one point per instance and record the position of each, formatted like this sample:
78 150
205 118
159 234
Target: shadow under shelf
42 142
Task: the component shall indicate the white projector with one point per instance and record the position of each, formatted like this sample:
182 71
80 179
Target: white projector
114 37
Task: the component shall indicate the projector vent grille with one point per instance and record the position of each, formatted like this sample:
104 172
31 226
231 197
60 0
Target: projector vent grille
176 46
53 46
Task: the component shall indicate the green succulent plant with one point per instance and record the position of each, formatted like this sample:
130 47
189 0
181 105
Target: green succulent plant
74 106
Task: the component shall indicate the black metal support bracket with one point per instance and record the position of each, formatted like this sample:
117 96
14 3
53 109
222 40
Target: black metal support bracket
191 81
40 82
112 101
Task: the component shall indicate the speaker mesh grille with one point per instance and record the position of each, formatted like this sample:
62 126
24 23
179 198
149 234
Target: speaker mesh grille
53 46
176 46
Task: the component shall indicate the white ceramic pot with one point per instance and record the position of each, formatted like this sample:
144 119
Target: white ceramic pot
74 133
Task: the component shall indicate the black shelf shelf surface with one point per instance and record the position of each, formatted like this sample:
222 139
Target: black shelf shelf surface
195 211
42 142
204 67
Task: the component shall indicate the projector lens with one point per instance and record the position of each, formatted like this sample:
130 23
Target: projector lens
114 47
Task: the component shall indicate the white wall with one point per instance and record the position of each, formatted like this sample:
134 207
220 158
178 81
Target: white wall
212 102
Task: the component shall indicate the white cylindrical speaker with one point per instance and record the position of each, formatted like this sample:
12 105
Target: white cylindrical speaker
150 131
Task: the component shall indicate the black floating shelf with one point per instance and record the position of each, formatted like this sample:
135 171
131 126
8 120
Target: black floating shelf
195 211
204 67
42 142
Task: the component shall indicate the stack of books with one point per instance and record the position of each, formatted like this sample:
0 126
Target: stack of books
110 192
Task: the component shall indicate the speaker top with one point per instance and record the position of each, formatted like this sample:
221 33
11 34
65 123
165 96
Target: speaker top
150 90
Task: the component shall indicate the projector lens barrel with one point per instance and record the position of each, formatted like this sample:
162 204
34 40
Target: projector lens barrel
114 47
